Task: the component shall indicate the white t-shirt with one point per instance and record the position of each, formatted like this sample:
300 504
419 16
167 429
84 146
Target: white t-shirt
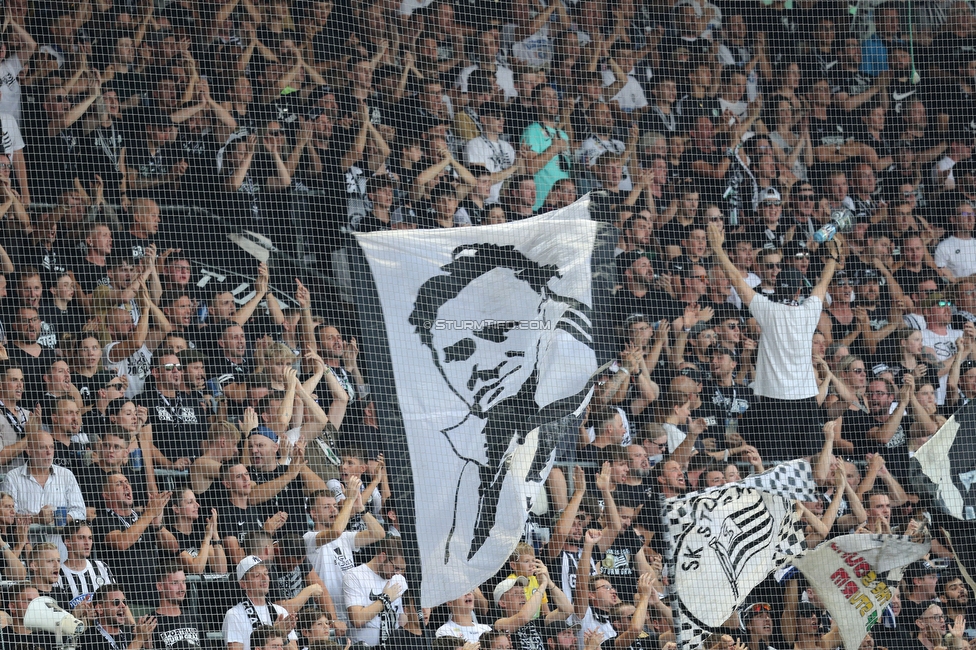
12 139
470 633
784 367
495 156
503 75
237 625
359 589
945 348
631 96
594 147
137 368
590 623
957 255
331 561
10 86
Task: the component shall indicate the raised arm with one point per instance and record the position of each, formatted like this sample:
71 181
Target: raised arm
716 239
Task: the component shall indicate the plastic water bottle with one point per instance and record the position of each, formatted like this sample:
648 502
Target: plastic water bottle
840 221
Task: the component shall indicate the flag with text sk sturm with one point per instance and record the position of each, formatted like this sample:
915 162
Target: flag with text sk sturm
482 339
724 542
850 575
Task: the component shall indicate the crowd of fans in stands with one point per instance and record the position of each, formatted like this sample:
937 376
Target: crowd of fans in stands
717 138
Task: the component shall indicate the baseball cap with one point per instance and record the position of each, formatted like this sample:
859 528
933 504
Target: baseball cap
770 194
752 610
502 588
788 282
555 627
247 564
920 569
805 609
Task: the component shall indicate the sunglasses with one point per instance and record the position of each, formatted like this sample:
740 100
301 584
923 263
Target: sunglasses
802 256
775 204
806 197
773 265
172 366
759 607
116 602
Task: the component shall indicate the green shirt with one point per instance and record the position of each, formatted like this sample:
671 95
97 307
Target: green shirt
540 138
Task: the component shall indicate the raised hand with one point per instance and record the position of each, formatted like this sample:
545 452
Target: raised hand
592 536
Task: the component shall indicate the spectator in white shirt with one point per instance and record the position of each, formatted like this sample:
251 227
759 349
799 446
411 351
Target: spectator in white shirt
490 152
373 591
42 489
956 255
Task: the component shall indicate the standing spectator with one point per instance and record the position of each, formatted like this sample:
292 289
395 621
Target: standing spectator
254 610
548 158
129 541
175 628
956 254
372 594
786 386
16 49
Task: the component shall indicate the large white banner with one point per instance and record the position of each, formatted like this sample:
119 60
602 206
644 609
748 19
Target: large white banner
489 337
849 574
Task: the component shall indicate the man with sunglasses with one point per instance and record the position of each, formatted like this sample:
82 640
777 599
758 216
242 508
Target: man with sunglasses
178 426
956 255
939 336
112 616
757 622
784 421
769 231
801 206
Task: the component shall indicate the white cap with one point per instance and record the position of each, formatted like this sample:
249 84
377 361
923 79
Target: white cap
247 564
506 585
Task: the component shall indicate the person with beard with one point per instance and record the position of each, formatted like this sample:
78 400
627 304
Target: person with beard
595 596
667 480
180 312
725 396
64 421
638 293
174 627
546 145
954 595
27 353
178 425
280 488
111 616
28 289
877 318
342 358
45 572
231 362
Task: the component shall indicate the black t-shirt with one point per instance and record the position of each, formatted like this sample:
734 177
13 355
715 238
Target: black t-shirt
33 369
619 564
32 641
89 276
122 241
370 223
69 321
177 632
833 131
723 402
226 371
856 427
130 566
529 636
291 499
192 542
93 639
178 428
285 585
154 165
88 387
231 520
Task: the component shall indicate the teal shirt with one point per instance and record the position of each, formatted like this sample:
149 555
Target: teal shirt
540 138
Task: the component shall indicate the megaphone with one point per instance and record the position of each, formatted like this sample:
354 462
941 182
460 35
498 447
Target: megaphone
44 615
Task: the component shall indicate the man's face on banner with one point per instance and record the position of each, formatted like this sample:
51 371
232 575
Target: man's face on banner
484 339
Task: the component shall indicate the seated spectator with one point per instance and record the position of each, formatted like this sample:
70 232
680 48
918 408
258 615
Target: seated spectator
112 616
174 627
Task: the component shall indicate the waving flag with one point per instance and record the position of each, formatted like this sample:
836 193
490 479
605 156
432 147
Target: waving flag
484 337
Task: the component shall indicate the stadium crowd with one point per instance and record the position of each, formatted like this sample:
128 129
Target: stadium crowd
717 138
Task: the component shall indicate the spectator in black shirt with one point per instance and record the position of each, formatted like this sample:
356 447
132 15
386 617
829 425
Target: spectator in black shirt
60 311
154 166
142 231
174 627
231 362
178 427
127 541
112 615
28 354
379 191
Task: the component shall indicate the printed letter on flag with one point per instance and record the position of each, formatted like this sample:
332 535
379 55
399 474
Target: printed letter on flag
849 574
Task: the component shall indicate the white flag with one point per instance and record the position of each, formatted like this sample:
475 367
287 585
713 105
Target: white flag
848 573
489 339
